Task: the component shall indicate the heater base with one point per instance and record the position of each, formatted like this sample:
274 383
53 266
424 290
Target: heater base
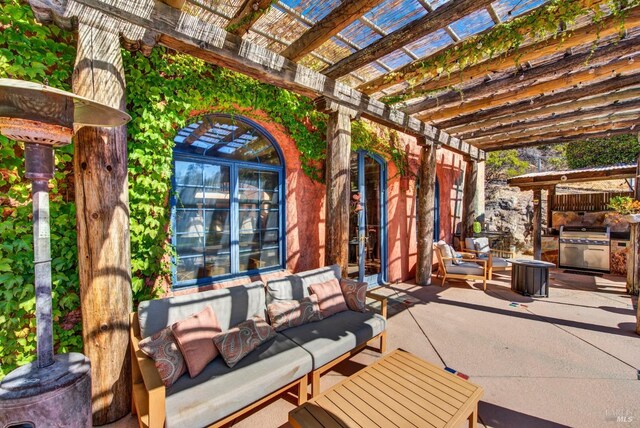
55 396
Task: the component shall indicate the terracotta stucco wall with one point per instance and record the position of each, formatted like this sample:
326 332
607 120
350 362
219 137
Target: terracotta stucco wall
401 193
305 218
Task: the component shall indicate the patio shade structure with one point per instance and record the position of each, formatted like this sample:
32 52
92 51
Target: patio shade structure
353 54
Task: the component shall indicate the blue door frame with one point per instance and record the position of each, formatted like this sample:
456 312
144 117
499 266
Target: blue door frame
436 213
380 277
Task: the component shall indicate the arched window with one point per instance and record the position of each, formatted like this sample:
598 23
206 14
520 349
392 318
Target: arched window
228 200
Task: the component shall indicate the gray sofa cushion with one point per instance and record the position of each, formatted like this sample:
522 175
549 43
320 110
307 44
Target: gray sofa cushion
220 391
465 268
231 305
340 333
295 287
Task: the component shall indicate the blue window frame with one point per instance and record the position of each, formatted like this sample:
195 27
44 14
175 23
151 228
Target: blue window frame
436 210
228 201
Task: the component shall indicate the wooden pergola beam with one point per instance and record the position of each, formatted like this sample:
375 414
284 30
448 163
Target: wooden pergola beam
566 137
606 114
414 30
556 43
175 3
337 20
548 180
534 81
476 119
188 34
410 71
247 15
571 128
564 83
614 101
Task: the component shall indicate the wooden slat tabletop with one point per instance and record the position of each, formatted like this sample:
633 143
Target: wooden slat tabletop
399 390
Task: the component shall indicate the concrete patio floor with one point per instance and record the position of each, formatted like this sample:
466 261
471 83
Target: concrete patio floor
568 360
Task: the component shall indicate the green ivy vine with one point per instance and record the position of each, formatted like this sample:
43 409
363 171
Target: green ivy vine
165 91
506 38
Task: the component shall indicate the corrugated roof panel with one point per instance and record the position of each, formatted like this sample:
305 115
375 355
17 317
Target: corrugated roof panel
280 24
360 34
430 43
312 9
334 50
396 59
226 8
371 71
438 3
507 9
393 14
263 41
206 15
473 23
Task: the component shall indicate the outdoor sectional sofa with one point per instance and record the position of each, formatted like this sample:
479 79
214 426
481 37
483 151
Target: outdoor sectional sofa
220 394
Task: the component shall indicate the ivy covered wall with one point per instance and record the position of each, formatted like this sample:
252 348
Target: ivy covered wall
165 91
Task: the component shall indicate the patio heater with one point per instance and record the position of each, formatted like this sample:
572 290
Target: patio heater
55 390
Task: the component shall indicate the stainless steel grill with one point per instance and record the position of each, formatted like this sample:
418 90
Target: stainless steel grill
585 248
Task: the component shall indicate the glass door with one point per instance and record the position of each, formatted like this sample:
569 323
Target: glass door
367 219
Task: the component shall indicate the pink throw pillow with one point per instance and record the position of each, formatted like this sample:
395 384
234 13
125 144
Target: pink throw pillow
163 349
237 342
355 293
285 314
194 336
330 297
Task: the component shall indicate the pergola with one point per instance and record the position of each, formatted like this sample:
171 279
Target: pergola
578 81
539 181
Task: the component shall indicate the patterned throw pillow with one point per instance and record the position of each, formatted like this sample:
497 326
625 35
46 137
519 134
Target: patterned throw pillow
355 293
330 297
164 351
285 314
237 342
194 336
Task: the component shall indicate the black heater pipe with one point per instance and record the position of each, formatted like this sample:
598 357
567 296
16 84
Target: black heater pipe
39 169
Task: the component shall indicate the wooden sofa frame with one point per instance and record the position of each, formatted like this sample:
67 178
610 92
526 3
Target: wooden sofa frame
315 374
442 269
148 391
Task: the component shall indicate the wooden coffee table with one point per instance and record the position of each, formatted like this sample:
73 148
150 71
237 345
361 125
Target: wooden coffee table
401 390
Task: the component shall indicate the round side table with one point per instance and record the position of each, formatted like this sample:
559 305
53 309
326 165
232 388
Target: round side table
530 277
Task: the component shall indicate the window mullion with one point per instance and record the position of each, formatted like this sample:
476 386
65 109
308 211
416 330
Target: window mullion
235 222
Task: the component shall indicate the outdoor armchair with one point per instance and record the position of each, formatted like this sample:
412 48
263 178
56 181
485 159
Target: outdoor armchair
465 268
497 259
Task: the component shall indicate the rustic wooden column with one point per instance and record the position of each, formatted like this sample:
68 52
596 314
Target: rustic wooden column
637 183
338 187
426 206
469 199
537 224
551 193
102 215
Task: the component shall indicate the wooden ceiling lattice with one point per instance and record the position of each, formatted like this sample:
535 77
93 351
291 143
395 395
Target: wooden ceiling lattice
377 45
579 80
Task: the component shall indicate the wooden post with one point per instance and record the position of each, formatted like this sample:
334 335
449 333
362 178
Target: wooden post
637 183
633 261
338 186
102 214
469 199
551 193
537 224
426 206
